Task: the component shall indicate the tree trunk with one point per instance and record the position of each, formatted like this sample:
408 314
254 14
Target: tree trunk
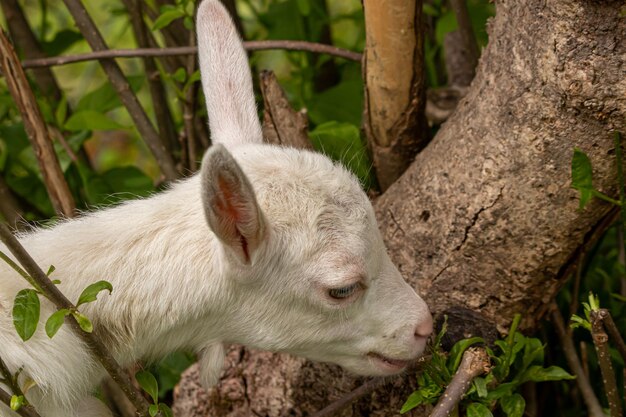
484 218
393 70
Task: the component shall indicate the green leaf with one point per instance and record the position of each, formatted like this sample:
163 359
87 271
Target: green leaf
341 103
456 353
304 6
90 120
342 142
61 112
55 321
539 374
501 391
148 382
180 75
61 42
26 313
429 10
168 370
50 270
481 387
90 293
188 23
83 322
582 176
153 409
413 401
165 410
445 24
166 18
127 180
16 402
478 410
513 405
105 98
533 353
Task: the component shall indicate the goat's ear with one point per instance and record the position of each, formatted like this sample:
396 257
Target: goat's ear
226 78
230 204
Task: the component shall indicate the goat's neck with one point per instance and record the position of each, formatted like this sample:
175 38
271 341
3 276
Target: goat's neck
163 262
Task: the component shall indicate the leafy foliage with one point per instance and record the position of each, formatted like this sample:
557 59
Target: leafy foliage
148 383
515 360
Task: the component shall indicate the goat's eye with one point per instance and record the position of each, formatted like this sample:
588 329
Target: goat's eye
344 292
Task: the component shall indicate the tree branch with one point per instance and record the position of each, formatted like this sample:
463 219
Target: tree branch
24 411
611 328
36 129
393 71
281 124
189 109
336 406
119 82
600 341
25 39
92 340
9 208
162 112
475 362
593 405
467 38
189 50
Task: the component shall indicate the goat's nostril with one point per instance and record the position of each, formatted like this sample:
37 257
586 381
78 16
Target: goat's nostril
424 327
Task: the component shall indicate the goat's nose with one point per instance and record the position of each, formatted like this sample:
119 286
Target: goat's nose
424 328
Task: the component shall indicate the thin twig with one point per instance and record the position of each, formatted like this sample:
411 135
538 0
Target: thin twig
187 50
120 83
336 406
9 379
26 41
116 396
576 291
466 31
475 362
615 335
189 109
584 358
92 340
9 207
369 386
162 112
601 342
171 37
24 411
36 128
622 222
593 405
176 32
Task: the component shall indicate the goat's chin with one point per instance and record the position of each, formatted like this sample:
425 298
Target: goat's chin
374 364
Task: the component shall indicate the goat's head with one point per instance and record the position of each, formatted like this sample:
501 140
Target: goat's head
309 271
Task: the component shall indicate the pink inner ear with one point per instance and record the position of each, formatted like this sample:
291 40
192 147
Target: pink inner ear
232 208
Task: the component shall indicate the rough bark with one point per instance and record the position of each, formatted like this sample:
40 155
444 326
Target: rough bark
485 218
281 124
36 129
393 71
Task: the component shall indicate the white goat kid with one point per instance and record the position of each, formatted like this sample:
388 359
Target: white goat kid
291 260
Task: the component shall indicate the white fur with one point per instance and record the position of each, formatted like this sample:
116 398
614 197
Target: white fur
286 226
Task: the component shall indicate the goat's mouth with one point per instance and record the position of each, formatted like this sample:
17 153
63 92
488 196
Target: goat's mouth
387 364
